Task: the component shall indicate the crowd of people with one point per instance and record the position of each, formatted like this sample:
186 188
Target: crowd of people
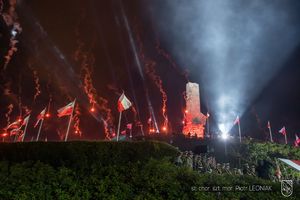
203 163
208 164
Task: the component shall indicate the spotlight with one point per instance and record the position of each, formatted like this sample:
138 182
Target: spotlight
224 136
164 128
92 109
14 32
47 115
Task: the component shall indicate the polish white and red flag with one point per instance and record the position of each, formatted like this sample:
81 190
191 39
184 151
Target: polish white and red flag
297 141
25 121
282 131
13 125
123 103
14 128
293 163
237 120
66 110
18 131
40 117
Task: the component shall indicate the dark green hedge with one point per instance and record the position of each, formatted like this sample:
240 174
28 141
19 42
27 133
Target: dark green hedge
81 155
153 179
106 170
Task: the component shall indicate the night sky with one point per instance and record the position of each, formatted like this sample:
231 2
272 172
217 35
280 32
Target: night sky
249 51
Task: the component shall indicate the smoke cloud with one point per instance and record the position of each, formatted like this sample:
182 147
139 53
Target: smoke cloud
233 47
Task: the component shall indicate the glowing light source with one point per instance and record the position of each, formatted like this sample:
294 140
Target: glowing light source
47 115
92 109
151 130
20 119
4 134
224 131
224 136
164 128
222 128
14 32
186 111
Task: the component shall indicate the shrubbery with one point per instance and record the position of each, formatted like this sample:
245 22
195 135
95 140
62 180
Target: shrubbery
104 170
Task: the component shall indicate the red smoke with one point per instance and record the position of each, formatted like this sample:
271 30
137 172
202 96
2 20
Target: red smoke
86 60
37 85
149 65
76 120
10 108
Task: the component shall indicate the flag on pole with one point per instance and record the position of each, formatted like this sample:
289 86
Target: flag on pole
15 131
293 163
123 103
20 136
282 131
13 125
25 121
237 120
21 133
40 117
129 126
297 141
66 110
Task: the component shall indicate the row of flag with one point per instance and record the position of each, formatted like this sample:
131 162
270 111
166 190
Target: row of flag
282 131
19 127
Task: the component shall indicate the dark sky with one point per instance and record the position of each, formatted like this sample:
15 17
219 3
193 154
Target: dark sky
52 32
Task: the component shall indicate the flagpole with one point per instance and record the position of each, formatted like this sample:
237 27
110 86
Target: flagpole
270 131
285 138
208 135
70 120
240 132
40 128
25 129
118 133
130 133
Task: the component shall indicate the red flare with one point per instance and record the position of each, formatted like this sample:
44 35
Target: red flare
47 115
37 85
151 72
151 130
87 60
92 109
4 134
9 111
77 120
